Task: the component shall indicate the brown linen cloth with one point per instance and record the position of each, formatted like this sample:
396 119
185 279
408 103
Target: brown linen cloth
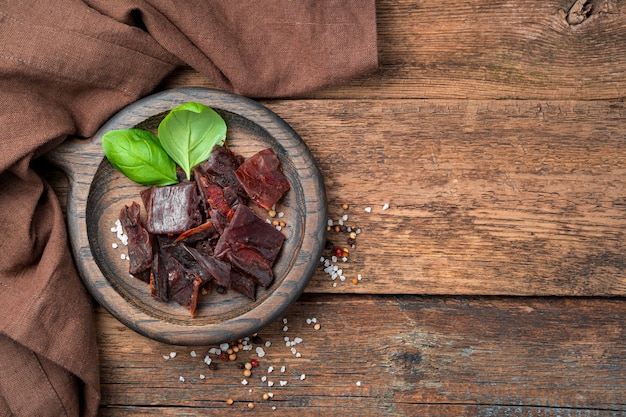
68 65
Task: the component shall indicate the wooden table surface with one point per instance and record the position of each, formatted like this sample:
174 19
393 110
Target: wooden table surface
491 150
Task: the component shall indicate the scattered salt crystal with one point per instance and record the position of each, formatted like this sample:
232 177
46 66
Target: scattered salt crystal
298 355
343 278
207 360
244 382
284 321
334 284
281 214
247 347
273 407
359 277
224 346
344 259
215 351
114 245
286 338
270 369
314 320
385 206
293 350
166 357
285 328
122 256
260 352
308 321
114 229
283 368
268 344
302 377
268 221
270 394
330 222
270 383
283 383
279 228
263 378
298 340
193 353
358 383
345 217
202 376
181 378
172 354
368 209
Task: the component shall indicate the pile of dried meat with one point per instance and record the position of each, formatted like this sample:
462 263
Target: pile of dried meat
201 233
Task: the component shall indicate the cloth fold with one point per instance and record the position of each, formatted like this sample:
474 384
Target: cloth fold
66 66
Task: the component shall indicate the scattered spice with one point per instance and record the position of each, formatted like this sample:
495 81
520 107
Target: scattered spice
229 401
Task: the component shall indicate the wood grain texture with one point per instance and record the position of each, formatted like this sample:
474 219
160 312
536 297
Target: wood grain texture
486 197
411 356
489 50
504 197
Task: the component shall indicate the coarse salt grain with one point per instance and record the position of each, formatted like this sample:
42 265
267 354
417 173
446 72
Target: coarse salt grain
181 378
385 206
224 346
283 368
260 352
368 209
193 353
284 321
283 383
270 383
268 344
114 245
358 383
270 369
302 377
166 357
244 382
285 328
202 376
263 378
207 360
172 354
298 355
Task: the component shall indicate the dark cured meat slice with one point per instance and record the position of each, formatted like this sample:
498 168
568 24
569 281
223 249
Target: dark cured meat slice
219 270
206 231
172 209
159 287
246 229
244 284
139 242
250 263
261 177
177 251
221 167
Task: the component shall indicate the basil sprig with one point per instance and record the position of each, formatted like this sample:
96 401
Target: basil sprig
138 154
189 132
186 137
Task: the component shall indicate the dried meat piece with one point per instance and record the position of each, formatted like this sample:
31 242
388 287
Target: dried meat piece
262 178
139 242
251 263
246 229
221 167
159 279
172 209
219 269
243 284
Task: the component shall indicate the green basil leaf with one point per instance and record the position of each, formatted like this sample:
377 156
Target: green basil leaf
189 132
137 154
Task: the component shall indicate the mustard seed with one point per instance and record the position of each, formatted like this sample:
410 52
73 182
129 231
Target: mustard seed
250 406
317 326
248 365
266 396
271 213
232 357
345 206
229 401
247 373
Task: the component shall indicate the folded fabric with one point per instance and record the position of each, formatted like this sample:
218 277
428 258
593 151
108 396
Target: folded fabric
68 65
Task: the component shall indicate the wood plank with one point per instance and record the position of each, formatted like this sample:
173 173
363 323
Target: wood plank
488 50
507 197
412 356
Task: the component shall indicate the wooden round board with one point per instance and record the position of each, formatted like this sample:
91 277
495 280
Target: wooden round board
98 192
